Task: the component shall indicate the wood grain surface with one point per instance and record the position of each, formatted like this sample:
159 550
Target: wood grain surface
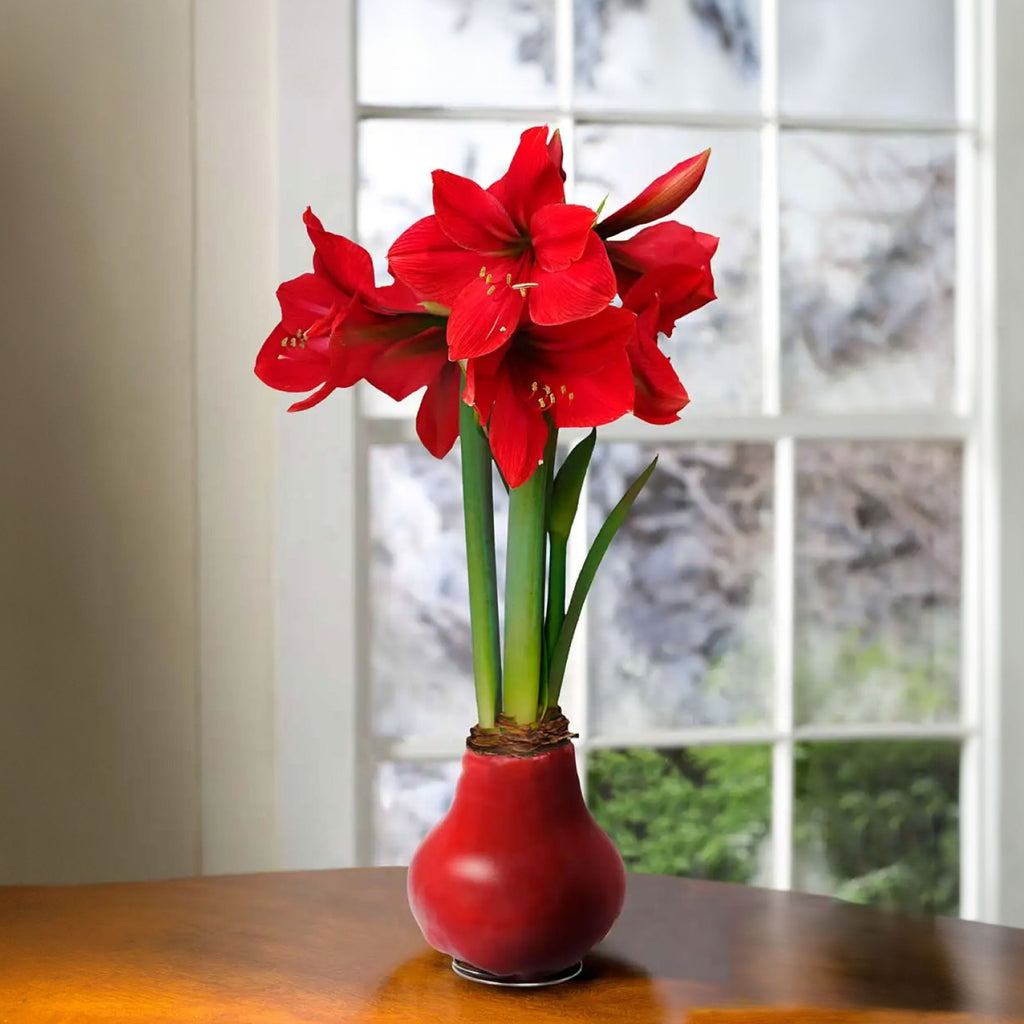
337 946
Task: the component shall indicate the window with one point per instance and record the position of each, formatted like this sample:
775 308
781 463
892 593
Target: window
782 675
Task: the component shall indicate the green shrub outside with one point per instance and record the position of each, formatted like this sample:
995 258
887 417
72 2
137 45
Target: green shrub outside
702 812
877 822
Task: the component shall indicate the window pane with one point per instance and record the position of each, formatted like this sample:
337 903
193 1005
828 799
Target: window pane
878 823
456 52
411 798
871 58
667 55
702 812
868 271
679 615
421 656
717 349
877 581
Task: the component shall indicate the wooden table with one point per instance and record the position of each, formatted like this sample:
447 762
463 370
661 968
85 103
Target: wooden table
337 946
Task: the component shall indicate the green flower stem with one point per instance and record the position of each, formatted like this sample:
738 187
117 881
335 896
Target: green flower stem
557 558
478 513
524 596
550 454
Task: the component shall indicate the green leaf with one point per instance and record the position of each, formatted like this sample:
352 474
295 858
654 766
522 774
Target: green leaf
565 495
615 519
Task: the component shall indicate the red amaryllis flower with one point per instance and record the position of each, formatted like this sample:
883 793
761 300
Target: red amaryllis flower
576 375
337 328
514 250
297 355
660 198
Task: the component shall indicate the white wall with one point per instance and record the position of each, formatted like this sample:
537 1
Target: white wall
236 277
136 281
1006 379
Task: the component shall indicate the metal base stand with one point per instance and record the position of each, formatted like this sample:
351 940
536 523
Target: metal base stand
471 973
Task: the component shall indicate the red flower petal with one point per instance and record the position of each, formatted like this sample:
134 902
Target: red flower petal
559 234
517 433
659 245
437 422
426 260
348 264
583 346
306 299
395 298
660 198
532 179
314 399
486 313
470 216
678 289
581 290
406 366
278 368
482 380
660 396
555 152
596 398
580 371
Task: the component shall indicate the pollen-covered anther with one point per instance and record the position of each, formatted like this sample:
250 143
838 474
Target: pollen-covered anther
483 271
487 278
490 291
299 339
508 279
562 389
533 386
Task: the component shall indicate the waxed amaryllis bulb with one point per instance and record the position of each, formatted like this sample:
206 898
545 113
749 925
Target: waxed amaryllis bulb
517 879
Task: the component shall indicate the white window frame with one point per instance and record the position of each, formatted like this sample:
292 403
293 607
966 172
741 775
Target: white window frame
326 758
